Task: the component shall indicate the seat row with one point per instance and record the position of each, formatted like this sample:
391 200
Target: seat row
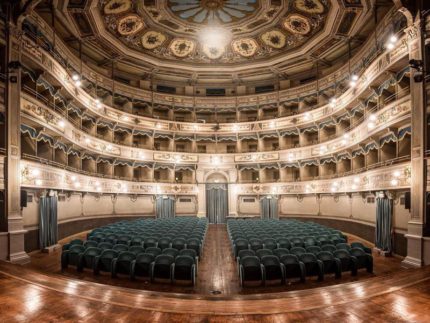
269 267
283 242
169 264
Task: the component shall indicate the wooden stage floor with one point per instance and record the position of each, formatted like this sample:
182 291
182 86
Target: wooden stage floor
41 293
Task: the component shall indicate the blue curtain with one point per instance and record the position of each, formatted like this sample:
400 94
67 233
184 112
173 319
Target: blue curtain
216 202
164 207
269 207
48 221
383 230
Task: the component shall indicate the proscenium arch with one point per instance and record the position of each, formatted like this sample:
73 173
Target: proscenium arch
216 175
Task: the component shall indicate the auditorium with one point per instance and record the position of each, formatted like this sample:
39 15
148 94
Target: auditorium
214 161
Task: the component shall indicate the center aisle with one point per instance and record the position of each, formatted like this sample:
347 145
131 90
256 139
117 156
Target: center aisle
217 271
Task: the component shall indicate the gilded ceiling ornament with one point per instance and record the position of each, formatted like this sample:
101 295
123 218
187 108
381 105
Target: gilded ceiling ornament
274 38
182 47
129 25
297 24
152 39
309 6
245 47
222 11
213 52
117 6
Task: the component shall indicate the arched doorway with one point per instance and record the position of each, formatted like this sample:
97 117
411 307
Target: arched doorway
216 198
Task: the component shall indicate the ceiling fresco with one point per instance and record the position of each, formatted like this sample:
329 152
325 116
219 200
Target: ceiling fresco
251 29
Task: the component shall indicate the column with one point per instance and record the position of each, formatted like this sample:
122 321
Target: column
417 252
13 249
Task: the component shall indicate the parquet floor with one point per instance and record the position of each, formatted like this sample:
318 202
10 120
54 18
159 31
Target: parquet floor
217 271
41 293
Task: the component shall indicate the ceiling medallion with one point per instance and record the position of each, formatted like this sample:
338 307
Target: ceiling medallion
209 11
130 24
245 47
213 52
309 6
274 38
181 47
117 6
297 24
152 39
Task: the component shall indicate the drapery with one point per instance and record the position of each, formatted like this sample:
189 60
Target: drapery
269 207
216 202
164 206
383 230
48 224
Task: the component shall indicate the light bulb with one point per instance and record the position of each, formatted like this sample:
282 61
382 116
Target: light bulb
372 117
61 124
38 182
396 173
35 172
73 178
371 125
356 180
394 182
393 39
354 77
75 77
78 83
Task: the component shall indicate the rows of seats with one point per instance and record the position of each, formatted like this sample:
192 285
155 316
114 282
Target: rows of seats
279 250
141 248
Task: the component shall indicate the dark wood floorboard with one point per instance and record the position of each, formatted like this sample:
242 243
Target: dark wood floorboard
217 270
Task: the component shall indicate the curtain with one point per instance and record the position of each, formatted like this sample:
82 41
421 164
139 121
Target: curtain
48 222
216 203
269 207
383 230
164 207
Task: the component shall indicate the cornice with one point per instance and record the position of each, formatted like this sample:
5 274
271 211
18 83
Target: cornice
373 180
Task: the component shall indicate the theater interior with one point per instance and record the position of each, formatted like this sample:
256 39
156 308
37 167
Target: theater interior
214 160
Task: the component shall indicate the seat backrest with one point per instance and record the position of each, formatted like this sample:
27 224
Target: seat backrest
109 254
280 252
270 260
136 249
246 253
164 260
343 246
241 242
308 258
105 245
170 251
178 242
90 243
341 254
325 256
290 260
77 248
328 247
153 251
144 258
126 256
297 251
313 249
284 243
250 261
357 245
188 252
76 242
92 251
263 252
185 261
120 247
357 252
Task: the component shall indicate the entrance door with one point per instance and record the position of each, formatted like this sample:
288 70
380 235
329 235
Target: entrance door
216 203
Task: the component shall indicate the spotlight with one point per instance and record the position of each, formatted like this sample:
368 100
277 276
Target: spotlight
354 77
73 178
78 83
61 124
75 77
393 39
